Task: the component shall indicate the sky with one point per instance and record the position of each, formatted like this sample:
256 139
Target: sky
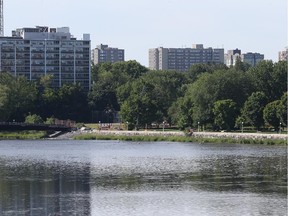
138 25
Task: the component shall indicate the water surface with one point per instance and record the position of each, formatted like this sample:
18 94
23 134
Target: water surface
69 177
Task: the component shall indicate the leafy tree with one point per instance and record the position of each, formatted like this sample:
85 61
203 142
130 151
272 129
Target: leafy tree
220 85
269 78
139 109
72 103
283 109
107 79
50 120
241 66
181 113
270 114
225 112
197 69
156 91
5 112
252 111
33 119
20 96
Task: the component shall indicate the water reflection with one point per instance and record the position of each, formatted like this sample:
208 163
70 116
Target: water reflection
44 189
126 178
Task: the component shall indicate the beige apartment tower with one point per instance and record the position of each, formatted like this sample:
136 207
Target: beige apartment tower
181 59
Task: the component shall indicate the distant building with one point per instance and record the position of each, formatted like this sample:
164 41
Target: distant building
252 58
232 56
283 55
39 51
104 53
181 59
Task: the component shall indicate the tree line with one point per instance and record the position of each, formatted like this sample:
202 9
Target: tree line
210 95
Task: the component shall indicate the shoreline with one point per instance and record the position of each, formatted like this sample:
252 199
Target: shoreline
253 138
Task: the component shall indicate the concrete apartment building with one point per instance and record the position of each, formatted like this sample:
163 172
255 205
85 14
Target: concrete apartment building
283 55
251 58
39 51
181 59
104 53
231 57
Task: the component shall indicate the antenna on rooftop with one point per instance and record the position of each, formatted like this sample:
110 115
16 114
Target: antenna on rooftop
1 19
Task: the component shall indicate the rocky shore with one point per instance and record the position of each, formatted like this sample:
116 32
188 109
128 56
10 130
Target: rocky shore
283 136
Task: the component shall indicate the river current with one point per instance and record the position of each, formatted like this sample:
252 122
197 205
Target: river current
69 177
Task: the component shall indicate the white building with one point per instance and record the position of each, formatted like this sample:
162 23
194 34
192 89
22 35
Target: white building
181 59
283 55
39 51
251 58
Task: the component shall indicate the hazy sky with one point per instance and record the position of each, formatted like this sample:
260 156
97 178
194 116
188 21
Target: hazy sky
137 25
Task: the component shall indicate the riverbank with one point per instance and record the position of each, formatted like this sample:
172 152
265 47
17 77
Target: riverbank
22 135
178 136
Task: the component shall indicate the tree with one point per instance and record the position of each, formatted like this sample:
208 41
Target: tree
270 114
20 96
197 69
269 78
33 119
225 113
73 103
241 66
283 109
151 95
107 79
5 112
181 113
252 111
220 85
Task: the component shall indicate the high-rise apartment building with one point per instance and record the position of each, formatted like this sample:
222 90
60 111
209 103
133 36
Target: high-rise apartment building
252 58
283 55
39 51
104 53
232 56
181 59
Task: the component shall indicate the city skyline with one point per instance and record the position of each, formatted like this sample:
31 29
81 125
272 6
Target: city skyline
252 26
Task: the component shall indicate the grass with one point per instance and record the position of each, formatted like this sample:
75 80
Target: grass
22 135
180 139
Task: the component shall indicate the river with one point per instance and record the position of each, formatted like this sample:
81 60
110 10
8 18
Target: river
101 178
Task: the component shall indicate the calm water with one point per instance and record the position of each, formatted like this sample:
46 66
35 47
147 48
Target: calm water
128 178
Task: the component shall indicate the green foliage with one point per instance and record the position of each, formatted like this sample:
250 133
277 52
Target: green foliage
225 112
197 69
17 97
33 119
241 66
50 120
220 85
107 79
147 99
269 78
253 108
283 109
270 114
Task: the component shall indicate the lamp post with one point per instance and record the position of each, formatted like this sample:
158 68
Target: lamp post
163 126
99 125
198 126
280 128
242 127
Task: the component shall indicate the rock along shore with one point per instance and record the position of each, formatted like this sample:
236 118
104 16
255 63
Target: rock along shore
283 136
